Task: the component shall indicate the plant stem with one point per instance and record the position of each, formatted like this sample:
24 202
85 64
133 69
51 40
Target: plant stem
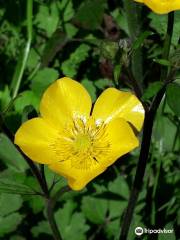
51 219
50 211
22 62
146 140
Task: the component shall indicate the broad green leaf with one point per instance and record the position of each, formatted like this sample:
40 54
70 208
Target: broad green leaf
90 88
90 13
9 203
173 97
94 209
164 133
43 79
10 223
120 187
9 154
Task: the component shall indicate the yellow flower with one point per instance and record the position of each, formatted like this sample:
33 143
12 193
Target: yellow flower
75 143
161 6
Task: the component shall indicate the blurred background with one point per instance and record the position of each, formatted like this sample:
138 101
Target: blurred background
99 43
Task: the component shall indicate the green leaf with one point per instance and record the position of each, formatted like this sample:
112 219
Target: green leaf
173 99
120 187
94 209
5 98
90 88
73 226
169 236
163 62
26 98
159 23
164 133
152 89
41 228
9 203
70 66
102 83
9 223
116 208
9 155
43 79
140 40
36 203
90 14
48 18
112 229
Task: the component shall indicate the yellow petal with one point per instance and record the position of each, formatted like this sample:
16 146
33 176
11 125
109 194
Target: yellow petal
34 138
162 6
63 100
77 178
113 103
121 139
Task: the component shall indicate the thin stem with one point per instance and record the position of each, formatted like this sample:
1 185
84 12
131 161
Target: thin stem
50 211
51 220
146 140
22 64
145 146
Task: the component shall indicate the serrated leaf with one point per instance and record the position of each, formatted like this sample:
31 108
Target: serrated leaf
94 209
41 228
48 18
72 225
120 187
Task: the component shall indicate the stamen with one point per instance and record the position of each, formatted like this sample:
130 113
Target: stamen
82 143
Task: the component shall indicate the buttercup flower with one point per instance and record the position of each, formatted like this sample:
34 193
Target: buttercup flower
161 6
75 143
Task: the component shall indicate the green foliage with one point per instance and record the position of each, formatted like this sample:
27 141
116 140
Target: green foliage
88 41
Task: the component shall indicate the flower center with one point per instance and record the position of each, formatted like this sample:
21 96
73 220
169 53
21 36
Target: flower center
84 144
